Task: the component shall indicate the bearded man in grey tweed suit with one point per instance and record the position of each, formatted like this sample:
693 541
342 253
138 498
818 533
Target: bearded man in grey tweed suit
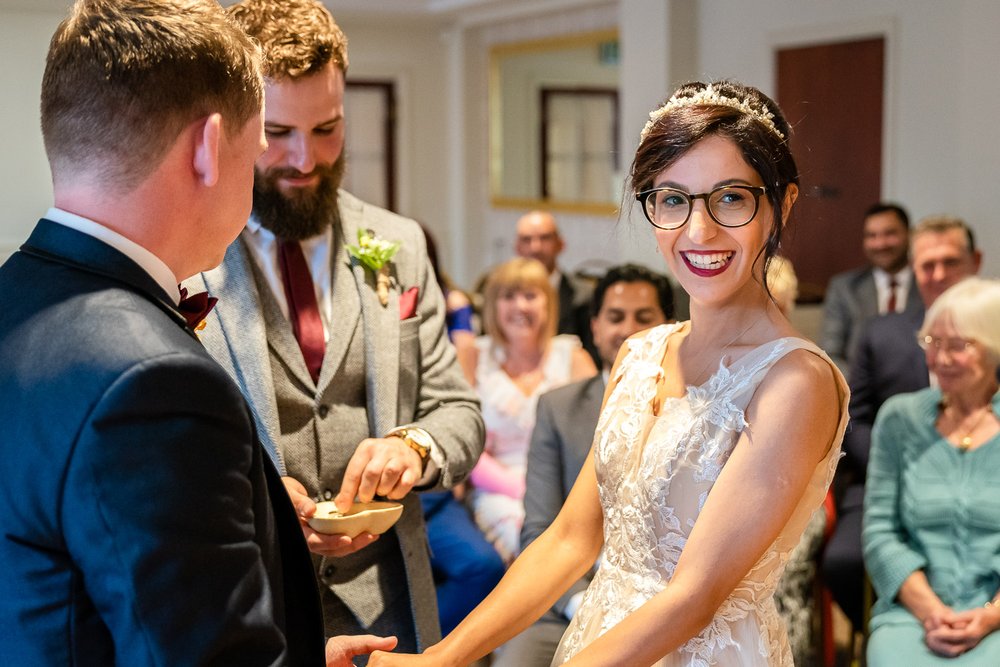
379 406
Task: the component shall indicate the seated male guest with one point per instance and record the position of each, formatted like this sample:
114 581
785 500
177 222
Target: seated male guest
626 300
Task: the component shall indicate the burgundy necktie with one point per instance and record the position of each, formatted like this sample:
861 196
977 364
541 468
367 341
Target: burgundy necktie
890 307
303 309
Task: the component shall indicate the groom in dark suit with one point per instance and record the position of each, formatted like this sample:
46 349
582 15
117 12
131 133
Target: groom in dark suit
142 523
628 299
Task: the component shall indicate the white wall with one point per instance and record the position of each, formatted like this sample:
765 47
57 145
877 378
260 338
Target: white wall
941 129
942 135
25 188
413 53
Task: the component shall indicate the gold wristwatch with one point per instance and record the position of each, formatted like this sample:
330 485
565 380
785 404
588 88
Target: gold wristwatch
416 439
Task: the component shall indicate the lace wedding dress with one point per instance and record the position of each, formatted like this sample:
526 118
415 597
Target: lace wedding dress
654 474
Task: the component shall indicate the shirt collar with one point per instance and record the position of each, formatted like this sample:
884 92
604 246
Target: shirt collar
147 261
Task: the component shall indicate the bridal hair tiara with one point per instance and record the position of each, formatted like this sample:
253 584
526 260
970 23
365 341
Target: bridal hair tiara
709 96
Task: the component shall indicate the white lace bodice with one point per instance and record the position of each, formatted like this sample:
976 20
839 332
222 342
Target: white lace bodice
654 475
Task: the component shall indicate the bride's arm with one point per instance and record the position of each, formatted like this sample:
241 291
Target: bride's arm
533 583
543 572
793 416
560 556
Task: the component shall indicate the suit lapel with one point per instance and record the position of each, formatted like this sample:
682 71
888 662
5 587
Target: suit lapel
240 328
345 312
914 302
588 412
868 296
381 334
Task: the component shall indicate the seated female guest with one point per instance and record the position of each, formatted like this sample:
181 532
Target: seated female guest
932 509
519 359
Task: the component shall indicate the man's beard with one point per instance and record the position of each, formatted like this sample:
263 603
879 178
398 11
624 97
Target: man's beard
303 213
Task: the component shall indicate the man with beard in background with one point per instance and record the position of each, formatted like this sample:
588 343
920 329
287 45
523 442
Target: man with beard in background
354 386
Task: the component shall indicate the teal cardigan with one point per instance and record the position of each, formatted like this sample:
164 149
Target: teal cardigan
929 506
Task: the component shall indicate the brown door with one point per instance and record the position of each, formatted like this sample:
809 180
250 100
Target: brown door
832 96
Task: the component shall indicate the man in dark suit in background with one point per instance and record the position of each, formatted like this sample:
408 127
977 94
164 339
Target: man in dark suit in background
884 286
887 362
142 522
626 300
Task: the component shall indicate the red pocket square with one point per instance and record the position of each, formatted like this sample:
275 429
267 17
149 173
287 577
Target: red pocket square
408 303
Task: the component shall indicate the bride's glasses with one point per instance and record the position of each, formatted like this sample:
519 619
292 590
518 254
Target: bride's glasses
729 205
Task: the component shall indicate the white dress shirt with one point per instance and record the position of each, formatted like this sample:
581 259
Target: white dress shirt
903 279
264 249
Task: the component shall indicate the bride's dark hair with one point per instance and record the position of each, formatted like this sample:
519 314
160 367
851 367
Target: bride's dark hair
759 130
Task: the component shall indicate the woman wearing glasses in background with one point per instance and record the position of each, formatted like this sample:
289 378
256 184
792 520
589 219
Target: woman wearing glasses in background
718 437
932 501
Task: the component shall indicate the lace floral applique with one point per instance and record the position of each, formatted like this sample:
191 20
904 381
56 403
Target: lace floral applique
654 475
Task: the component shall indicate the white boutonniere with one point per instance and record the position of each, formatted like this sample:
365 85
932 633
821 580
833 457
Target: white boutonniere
375 254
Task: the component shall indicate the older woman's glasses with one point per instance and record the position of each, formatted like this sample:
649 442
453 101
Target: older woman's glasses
949 345
730 205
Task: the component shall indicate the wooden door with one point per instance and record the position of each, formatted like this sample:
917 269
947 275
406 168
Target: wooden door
832 94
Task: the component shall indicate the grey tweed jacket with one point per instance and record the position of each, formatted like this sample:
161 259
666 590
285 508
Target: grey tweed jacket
411 375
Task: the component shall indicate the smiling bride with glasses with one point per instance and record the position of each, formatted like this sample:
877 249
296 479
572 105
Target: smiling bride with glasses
718 436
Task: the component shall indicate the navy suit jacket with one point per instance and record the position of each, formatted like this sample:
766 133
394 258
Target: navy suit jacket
887 362
142 523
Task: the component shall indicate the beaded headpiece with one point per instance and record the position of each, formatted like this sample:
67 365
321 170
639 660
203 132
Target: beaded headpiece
709 96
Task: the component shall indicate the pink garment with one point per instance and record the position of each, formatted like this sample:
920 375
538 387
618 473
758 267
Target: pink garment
492 476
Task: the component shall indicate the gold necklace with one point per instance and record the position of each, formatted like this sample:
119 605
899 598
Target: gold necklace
725 347
965 442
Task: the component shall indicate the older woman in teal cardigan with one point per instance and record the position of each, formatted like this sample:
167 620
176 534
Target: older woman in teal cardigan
931 531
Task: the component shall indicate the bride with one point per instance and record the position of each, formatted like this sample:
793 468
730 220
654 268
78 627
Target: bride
718 437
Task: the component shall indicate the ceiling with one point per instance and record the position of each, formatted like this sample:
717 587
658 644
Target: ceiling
466 11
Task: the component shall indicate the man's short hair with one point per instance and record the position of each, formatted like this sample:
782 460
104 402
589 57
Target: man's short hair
889 207
298 37
634 273
123 78
939 224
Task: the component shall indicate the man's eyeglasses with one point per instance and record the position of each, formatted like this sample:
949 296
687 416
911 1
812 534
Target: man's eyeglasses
730 205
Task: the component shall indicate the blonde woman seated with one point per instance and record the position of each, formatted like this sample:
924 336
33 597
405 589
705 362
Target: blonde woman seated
518 359
931 531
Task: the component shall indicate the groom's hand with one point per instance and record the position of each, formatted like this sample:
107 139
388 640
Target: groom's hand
340 649
333 546
386 467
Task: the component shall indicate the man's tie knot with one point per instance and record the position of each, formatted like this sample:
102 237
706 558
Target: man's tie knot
195 308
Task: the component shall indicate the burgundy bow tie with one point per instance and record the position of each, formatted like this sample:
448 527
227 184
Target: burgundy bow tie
196 307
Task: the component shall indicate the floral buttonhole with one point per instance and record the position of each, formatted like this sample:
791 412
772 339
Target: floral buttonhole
376 254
